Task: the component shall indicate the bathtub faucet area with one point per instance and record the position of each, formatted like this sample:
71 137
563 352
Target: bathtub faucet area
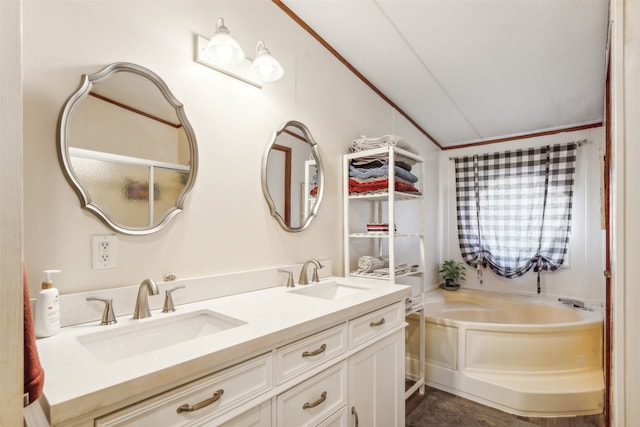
574 302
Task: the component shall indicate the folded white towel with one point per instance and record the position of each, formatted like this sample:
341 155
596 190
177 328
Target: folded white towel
367 264
363 143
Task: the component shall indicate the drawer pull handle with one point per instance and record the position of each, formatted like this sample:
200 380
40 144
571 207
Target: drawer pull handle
353 411
188 408
378 323
322 348
308 405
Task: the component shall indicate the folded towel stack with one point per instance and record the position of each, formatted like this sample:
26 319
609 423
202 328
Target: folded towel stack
370 174
381 171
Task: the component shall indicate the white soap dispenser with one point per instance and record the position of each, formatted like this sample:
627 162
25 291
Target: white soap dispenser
47 315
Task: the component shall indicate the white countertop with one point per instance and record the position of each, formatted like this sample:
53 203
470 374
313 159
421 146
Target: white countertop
77 382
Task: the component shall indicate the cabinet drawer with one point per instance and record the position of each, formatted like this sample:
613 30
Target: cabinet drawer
233 386
339 419
314 399
260 416
375 323
295 358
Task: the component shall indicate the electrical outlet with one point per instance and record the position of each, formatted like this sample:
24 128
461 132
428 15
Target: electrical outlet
103 251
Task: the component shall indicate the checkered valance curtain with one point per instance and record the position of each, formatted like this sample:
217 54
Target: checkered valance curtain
514 208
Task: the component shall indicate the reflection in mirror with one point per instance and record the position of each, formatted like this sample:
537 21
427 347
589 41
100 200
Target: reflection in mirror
127 148
292 177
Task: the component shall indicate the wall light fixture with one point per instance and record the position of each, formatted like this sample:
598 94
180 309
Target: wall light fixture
222 48
223 53
265 66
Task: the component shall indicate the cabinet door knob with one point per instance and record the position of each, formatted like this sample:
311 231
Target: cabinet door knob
188 408
322 348
308 405
378 323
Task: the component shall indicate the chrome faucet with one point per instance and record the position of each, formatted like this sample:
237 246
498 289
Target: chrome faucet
303 273
573 302
142 302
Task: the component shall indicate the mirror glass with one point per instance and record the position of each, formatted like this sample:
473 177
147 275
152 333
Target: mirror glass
127 148
292 176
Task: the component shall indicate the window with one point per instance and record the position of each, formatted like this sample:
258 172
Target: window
514 208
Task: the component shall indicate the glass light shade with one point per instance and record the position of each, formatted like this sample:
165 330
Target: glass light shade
222 48
265 67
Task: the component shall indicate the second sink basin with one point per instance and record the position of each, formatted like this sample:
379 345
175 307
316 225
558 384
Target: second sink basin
131 340
331 290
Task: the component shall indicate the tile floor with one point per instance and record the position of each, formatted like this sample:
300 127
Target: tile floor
441 409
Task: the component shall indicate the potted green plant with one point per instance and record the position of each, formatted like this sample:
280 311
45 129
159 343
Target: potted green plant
452 271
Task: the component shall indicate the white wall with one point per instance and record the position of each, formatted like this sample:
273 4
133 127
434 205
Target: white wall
582 278
226 226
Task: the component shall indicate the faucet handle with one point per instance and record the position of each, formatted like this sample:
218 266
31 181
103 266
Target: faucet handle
314 276
108 316
168 300
290 283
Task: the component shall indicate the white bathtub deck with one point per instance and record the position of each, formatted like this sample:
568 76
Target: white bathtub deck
531 395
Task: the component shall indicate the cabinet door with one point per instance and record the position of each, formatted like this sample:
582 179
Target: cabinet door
376 384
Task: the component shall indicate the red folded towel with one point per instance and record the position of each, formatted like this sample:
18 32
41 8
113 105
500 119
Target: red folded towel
33 372
381 184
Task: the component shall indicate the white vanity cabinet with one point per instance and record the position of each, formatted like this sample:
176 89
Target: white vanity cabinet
354 364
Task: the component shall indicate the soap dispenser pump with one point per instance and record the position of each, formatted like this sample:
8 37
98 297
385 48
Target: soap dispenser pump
47 314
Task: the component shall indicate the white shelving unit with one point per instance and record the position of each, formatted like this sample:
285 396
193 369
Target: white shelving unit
310 170
403 245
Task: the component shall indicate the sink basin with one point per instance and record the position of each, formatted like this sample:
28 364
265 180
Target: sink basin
131 340
329 291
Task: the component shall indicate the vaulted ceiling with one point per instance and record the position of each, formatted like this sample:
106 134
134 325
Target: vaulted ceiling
468 71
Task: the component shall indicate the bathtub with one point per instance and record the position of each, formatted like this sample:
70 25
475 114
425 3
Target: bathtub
519 354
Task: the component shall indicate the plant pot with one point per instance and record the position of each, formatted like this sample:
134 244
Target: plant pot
450 286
